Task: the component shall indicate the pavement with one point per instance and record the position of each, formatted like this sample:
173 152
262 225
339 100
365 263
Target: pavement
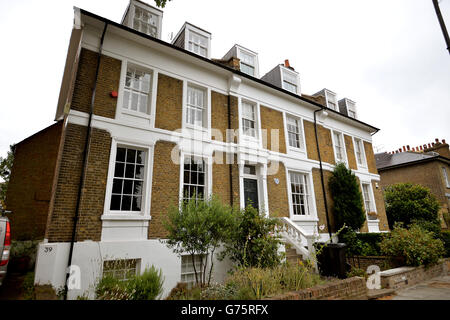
434 289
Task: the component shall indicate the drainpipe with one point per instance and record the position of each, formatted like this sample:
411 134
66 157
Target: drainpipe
85 160
231 165
321 175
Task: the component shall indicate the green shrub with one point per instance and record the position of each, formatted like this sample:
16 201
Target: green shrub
445 238
357 272
347 198
147 286
28 286
257 283
408 203
361 244
252 240
416 245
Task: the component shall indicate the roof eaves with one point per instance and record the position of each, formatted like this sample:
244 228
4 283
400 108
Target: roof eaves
244 75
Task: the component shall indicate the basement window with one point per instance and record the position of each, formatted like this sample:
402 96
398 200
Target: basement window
123 269
187 268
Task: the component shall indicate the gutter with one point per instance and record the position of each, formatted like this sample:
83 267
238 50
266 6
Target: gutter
85 160
321 175
241 74
230 166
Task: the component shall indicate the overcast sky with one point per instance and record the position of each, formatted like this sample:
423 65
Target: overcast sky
388 56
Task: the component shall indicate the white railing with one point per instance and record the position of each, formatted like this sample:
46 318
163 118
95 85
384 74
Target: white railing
297 237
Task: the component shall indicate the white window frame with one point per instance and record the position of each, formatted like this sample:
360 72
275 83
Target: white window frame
257 121
343 148
301 133
206 126
144 213
331 96
240 52
188 263
156 26
188 28
363 153
284 70
312 216
208 172
371 199
131 115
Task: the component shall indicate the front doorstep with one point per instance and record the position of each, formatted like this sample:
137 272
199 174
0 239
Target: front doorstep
373 225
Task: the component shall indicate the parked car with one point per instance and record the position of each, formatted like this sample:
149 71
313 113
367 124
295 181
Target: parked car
5 246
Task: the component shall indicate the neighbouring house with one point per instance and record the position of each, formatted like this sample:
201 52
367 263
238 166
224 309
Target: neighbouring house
427 165
142 124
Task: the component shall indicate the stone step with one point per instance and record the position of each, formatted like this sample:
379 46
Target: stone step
373 294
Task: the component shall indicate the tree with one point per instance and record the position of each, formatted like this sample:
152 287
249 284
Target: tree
198 228
347 198
408 203
252 240
161 3
5 171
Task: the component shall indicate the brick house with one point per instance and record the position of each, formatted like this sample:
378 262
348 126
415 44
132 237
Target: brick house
142 123
427 165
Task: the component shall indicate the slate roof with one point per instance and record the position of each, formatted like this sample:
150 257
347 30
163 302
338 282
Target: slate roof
385 160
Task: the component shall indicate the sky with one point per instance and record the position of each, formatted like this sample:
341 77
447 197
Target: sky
388 56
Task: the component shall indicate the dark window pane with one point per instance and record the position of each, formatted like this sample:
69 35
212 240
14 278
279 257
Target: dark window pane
129 171
115 202
131 155
193 177
118 171
201 178
120 156
126 203
136 206
137 188
127 186
186 193
186 177
117 186
200 192
139 172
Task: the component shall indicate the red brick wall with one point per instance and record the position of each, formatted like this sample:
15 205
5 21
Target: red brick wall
30 185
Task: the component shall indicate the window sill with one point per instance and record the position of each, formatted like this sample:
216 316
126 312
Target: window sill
303 218
196 128
136 114
296 150
122 216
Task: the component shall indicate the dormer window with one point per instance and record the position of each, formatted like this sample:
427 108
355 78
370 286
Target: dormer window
331 100
194 39
289 81
348 107
145 22
248 60
143 18
285 77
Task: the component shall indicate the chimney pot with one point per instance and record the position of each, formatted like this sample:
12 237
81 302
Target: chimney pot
286 63
407 147
443 140
436 140
429 145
